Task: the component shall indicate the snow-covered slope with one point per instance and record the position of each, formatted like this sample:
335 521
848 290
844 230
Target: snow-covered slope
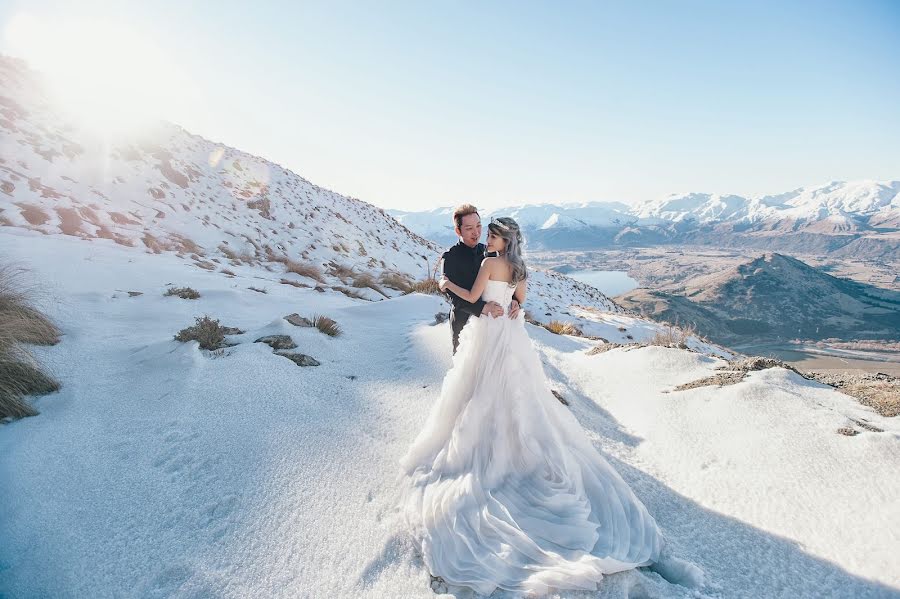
163 470
170 190
217 208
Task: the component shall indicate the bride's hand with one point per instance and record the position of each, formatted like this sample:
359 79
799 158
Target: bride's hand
443 283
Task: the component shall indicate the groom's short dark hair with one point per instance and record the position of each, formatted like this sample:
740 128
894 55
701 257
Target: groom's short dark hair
461 211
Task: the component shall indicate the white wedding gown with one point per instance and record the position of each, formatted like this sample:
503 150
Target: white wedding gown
503 488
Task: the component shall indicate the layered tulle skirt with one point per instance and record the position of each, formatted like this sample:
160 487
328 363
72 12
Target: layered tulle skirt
503 488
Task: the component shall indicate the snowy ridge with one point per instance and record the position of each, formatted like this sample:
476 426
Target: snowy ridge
218 208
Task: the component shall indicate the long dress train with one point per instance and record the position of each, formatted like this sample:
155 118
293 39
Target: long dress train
503 488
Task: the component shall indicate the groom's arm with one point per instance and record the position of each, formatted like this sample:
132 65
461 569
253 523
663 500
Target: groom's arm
452 272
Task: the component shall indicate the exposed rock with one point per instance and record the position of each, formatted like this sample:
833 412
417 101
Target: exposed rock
298 359
277 342
441 317
298 321
751 363
559 396
232 331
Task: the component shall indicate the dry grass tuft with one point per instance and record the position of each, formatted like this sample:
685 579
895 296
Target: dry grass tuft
182 292
340 271
294 283
20 324
427 286
207 331
364 280
674 336
305 269
351 293
396 280
563 328
326 325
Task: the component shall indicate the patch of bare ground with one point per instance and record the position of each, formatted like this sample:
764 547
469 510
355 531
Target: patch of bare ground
605 347
735 371
878 390
33 214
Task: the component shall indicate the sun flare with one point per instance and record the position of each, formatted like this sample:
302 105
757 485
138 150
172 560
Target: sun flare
106 74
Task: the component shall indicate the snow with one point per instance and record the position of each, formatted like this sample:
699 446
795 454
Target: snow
216 207
162 470
836 200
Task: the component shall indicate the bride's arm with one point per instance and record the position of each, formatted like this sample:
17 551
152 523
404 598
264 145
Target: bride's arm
484 275
520 291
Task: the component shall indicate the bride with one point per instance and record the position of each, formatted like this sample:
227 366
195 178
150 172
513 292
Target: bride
502 487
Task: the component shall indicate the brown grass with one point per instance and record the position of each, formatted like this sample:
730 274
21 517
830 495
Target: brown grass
207 331
364 280
294 283
673 336
326 325
182 292
396 280
351 293
340 271
20 323
427 286
305 269
563 328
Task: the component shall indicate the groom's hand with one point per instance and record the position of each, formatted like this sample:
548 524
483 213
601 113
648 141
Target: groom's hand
514 309
492 308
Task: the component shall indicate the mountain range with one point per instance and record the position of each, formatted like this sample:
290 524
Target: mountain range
853 219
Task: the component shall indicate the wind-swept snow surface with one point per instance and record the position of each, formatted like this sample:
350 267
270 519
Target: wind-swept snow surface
163 470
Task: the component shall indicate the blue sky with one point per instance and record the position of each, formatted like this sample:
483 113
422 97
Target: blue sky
421 104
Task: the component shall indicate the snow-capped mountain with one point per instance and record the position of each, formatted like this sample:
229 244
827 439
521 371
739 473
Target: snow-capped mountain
216 207
542 222
857 214
834 207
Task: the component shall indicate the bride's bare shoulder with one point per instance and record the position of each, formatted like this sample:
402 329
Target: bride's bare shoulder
490 262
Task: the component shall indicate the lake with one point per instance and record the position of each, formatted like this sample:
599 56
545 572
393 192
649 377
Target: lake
610 282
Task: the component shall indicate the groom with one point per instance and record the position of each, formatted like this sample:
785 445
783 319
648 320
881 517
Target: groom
461 264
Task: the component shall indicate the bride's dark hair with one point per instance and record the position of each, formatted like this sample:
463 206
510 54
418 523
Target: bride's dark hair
508 229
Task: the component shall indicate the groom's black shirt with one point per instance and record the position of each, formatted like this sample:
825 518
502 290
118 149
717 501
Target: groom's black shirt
461 265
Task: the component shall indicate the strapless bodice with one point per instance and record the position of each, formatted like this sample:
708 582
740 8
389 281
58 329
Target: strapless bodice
498 291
